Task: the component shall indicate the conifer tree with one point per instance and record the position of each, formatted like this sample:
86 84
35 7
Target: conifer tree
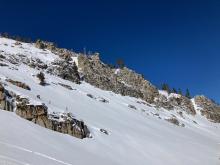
180 92
174 90
166 87
188 94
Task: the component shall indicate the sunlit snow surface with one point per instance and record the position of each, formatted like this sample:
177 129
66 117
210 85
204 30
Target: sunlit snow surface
140 137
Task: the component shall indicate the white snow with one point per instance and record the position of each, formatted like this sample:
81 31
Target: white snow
117 71
164 93
135 136
167 95
27 49
75 59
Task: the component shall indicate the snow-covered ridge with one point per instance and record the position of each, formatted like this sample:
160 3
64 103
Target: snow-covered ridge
12 47
137 132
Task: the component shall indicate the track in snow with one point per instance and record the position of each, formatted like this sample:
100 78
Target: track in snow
6 160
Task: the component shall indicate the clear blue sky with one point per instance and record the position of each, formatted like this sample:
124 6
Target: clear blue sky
177 42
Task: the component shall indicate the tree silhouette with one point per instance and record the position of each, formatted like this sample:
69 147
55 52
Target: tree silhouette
188 94
166 87
180 92
174 90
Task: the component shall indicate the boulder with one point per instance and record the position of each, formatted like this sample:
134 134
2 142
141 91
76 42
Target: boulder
174 121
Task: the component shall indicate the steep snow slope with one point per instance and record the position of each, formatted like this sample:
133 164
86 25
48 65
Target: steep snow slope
137 134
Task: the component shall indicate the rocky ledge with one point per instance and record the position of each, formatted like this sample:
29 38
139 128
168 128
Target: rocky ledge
61 122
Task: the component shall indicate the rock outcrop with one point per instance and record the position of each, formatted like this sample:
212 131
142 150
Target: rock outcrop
137 82
122 81
208 108
66 69
36 63
61 122
176 101
68 124
173 120
45 45
19 84
6 99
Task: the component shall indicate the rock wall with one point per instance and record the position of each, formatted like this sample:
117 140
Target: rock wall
175 101
123 81
66 69
208 108
66 124
63 123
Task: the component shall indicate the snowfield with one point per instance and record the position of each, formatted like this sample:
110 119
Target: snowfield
137 132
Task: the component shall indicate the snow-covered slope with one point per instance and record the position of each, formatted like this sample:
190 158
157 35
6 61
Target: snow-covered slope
137 131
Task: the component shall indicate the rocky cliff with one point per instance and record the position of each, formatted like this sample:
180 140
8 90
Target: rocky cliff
122 81
208 108
61 122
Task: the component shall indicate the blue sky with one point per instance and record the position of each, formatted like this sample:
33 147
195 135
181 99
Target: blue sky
177 42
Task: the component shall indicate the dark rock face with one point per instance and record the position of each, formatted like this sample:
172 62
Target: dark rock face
208 108
6 100
65 69
123 81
